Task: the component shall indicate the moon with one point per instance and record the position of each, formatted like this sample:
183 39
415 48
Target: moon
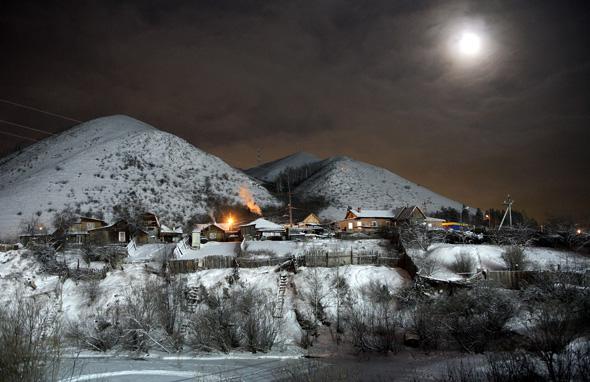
469 44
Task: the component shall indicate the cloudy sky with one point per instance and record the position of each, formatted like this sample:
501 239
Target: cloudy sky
381 81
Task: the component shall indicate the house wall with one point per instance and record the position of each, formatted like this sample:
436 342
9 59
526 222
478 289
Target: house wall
366 224
213 233
111 236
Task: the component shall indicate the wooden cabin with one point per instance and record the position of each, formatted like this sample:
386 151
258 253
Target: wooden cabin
169 235
262 229
150 224
310 220
118 233
218 232
366 221
77 233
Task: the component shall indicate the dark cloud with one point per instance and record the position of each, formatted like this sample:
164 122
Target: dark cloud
371 79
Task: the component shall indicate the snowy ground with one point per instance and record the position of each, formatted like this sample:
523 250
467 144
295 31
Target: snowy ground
489 257
20 272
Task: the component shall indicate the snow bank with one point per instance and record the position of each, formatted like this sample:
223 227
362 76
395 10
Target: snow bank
490 257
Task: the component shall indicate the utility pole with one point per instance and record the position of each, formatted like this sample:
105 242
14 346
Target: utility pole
290 204
508 203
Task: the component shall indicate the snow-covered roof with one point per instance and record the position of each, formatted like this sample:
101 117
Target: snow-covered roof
430 219
383 214
166 229
264 225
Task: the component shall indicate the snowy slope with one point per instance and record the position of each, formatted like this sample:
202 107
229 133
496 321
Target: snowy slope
103 162
268 172
345 182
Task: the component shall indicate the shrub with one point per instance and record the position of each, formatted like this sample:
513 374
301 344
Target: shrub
30 341
102 334
233 318
515 258
463 264
373 319
91 290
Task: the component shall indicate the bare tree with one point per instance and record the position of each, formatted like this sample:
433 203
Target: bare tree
30 341
316 294
63 220
419 236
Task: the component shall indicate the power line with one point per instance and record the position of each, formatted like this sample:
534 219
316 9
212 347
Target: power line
26 127
39 110
18 136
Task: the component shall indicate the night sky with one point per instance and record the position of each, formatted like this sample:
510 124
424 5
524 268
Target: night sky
380 81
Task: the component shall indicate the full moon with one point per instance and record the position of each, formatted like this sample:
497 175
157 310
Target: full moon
469 44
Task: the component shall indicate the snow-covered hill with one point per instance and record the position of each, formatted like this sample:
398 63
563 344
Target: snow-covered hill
108 160
346 182
268 172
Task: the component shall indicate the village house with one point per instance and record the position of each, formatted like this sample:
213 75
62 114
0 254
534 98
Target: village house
366 221
262 229
410 214
169 235
309 226
118 233
219 232
77 233
150 224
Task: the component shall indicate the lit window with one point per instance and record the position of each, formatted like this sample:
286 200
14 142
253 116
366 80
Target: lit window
122 237
350 225
359 223
374 223
90 225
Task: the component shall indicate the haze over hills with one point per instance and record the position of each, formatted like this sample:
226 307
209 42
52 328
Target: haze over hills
344 182
110 160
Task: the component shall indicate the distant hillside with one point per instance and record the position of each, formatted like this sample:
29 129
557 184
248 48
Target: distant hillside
269 172
343 182
112 160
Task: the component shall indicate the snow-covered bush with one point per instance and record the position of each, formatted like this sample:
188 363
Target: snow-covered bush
101 334
30 341
373 319
233 318
469 319
464 264
515 258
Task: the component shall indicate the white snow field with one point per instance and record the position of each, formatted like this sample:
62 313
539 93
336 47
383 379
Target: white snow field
345 182
269 172
103 162
489 257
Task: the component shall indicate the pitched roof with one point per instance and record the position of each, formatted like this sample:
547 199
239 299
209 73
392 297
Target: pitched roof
264 225
166 229
405 213
380 214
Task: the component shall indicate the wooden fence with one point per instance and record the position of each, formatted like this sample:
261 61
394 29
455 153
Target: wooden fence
516 279
330 260
315 260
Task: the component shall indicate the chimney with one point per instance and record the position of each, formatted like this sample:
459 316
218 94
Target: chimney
358 209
